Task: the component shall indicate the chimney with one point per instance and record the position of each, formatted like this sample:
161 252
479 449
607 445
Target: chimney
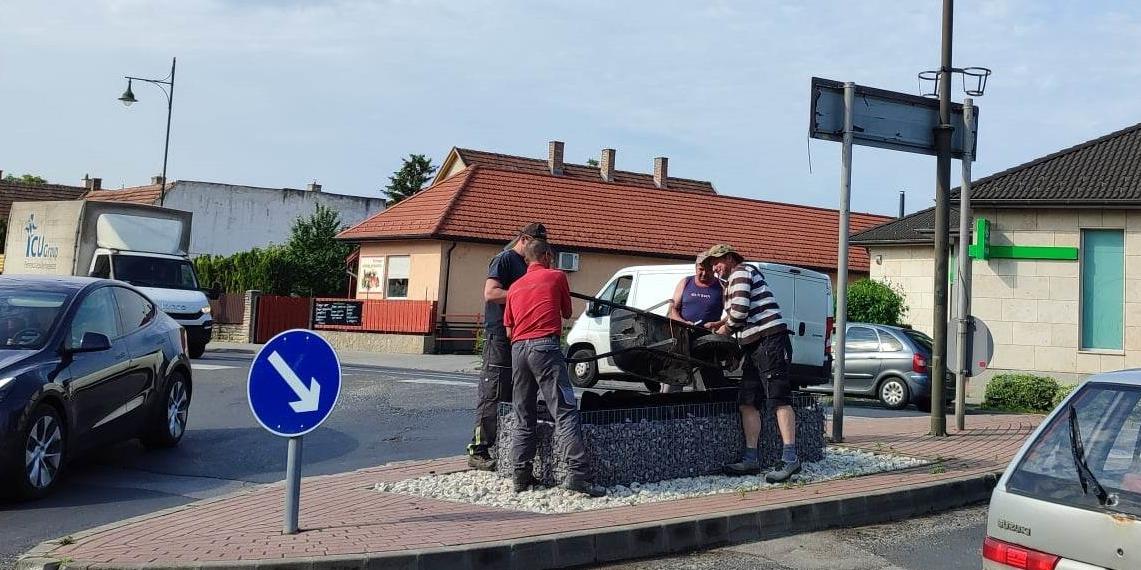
661 171
555 157
902 198
92 183
606 165
156 180
313 187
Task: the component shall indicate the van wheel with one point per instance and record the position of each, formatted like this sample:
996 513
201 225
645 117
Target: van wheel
584 374
893 393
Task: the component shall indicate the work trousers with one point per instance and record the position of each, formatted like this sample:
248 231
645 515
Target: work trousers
494 387
539 368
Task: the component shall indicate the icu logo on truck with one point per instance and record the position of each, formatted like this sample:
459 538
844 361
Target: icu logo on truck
38 245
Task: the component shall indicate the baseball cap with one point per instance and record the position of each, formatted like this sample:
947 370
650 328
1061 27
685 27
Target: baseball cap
701 257
535 230
721 250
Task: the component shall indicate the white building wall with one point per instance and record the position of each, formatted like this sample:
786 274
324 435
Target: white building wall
1032 307
229 219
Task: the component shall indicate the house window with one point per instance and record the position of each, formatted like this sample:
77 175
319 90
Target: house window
396 285
1103 289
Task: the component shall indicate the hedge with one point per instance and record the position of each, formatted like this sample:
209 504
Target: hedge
871 301
1022 393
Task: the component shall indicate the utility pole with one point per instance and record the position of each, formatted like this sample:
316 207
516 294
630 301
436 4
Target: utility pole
942 221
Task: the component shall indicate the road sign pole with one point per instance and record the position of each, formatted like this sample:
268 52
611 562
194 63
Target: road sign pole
963 299
292 485
842 269
942 221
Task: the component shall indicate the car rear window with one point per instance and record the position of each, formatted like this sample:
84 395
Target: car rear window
27 317
919 338
1109 420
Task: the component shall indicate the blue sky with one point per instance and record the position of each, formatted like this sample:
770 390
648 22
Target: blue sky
281 93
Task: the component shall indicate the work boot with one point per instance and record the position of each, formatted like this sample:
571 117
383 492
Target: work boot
743 467
584 487
783 471
481 462
523 480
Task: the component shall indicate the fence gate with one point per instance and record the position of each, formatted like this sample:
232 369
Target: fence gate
276 314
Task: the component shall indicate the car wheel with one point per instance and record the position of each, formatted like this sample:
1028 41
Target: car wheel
894 394
584 374
197 350
168 420
44 445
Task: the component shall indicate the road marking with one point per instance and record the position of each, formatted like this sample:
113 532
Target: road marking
197 366
440 382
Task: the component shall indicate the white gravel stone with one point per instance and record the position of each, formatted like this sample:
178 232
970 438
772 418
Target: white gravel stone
484 488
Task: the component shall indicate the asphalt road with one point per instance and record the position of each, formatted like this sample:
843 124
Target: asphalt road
945 541
383 415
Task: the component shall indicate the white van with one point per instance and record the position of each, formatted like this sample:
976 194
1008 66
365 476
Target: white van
805 299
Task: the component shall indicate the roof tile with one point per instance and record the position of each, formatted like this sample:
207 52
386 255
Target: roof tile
21 192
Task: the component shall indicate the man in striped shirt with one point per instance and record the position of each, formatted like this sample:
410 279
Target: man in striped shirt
753 315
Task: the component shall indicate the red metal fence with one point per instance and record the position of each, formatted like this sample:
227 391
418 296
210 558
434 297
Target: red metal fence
229 309
388 316
276 314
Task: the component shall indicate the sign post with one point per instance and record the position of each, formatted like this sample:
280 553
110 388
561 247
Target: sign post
842 268
963 282
287 406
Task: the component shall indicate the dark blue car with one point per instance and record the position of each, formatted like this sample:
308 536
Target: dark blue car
83 362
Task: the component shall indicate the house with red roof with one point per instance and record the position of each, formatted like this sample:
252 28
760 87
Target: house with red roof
436 245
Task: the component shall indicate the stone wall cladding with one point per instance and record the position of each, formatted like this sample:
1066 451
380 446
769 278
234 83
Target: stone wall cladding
231 333
378 342
647 445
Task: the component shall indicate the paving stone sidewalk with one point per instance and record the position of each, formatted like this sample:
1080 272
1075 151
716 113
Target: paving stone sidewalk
346 524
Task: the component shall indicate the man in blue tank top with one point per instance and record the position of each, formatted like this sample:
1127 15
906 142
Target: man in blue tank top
698 301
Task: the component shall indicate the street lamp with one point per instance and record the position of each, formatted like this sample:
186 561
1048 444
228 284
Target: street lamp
128 97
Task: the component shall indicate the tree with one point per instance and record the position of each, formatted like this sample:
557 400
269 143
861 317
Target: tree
316 258
592 162
25 179
871 301
410 179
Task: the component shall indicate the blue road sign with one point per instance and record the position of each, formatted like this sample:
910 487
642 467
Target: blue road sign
294 383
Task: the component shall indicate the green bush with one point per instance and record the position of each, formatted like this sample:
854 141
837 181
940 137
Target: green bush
1021 393
1061 394
875 302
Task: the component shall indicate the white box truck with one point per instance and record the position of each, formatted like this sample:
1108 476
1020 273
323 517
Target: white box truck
805 299
145 246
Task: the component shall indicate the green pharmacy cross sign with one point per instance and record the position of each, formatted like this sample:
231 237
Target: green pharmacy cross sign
982 248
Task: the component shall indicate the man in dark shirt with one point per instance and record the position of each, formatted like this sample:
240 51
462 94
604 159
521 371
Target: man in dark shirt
495 378
536 307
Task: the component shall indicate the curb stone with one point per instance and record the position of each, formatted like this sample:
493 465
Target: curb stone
610 544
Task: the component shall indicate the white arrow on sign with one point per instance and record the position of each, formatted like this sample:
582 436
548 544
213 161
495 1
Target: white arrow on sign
310 397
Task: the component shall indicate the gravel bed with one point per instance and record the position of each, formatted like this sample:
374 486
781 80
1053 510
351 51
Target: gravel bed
484 488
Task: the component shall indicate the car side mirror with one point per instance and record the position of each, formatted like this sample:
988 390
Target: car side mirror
93 342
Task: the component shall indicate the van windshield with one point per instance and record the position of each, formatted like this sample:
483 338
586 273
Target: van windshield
160 272
1109 423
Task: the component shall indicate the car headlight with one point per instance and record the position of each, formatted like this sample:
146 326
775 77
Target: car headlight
4 383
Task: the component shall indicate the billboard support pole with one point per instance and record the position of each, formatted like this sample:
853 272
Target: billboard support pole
838 337
963 283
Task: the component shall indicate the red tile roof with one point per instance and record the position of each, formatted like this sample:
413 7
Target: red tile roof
575 171
487 204
21 192
147 194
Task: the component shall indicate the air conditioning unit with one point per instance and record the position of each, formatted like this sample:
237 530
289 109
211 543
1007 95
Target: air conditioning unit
568 261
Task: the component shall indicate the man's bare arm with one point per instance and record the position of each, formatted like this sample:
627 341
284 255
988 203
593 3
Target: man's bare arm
493 292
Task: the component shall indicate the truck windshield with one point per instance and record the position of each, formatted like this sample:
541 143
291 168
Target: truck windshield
161 272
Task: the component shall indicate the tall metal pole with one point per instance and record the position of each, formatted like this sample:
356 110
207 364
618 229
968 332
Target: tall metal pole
292 485
963 283
942 221
166 147
842 269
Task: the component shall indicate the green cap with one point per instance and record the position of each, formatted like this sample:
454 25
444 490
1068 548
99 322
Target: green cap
721 250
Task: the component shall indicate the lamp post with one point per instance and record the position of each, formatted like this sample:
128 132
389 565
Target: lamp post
128 97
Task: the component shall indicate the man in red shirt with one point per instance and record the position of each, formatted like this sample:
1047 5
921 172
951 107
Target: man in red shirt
536 305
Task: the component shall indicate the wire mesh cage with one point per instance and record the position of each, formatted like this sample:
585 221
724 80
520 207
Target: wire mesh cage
974 80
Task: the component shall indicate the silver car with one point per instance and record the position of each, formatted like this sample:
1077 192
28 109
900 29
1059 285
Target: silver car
1071 498
888 363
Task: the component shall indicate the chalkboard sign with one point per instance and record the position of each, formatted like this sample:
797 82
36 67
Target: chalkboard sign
344 313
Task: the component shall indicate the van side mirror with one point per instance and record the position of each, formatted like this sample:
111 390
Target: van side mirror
592 309
214 292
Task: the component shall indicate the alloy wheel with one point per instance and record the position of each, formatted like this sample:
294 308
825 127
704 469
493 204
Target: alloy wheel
581 369
43 452
177 404
892 393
